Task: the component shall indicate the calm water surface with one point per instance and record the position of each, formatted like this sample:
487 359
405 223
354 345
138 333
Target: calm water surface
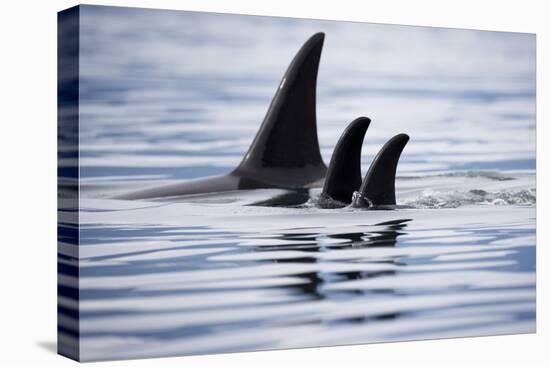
172 96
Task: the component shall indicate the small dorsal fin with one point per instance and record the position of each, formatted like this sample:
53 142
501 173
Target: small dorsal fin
288 135
344 170
378 185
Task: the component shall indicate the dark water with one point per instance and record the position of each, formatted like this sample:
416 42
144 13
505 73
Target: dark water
171 96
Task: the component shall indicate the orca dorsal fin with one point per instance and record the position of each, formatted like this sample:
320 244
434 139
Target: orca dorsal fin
288 135
344 171
378 186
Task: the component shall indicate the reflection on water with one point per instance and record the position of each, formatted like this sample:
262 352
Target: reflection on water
169 96
338 277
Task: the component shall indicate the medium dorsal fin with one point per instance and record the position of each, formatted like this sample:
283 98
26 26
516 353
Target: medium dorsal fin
344 170
378 186
288 135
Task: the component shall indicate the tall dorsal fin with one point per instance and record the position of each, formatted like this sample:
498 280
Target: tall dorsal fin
378 186
344 170
288 135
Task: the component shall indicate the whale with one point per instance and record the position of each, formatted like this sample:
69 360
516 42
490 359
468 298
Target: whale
285 153
343 185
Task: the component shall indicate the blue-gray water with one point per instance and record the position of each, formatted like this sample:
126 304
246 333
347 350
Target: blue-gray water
168 96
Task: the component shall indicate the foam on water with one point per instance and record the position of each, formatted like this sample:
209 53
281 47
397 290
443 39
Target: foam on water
171 96
433 199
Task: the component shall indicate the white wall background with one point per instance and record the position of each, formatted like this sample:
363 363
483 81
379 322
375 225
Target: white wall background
28 181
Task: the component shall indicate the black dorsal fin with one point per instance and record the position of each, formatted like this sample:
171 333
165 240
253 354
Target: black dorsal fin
288 135
378 187
344 170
